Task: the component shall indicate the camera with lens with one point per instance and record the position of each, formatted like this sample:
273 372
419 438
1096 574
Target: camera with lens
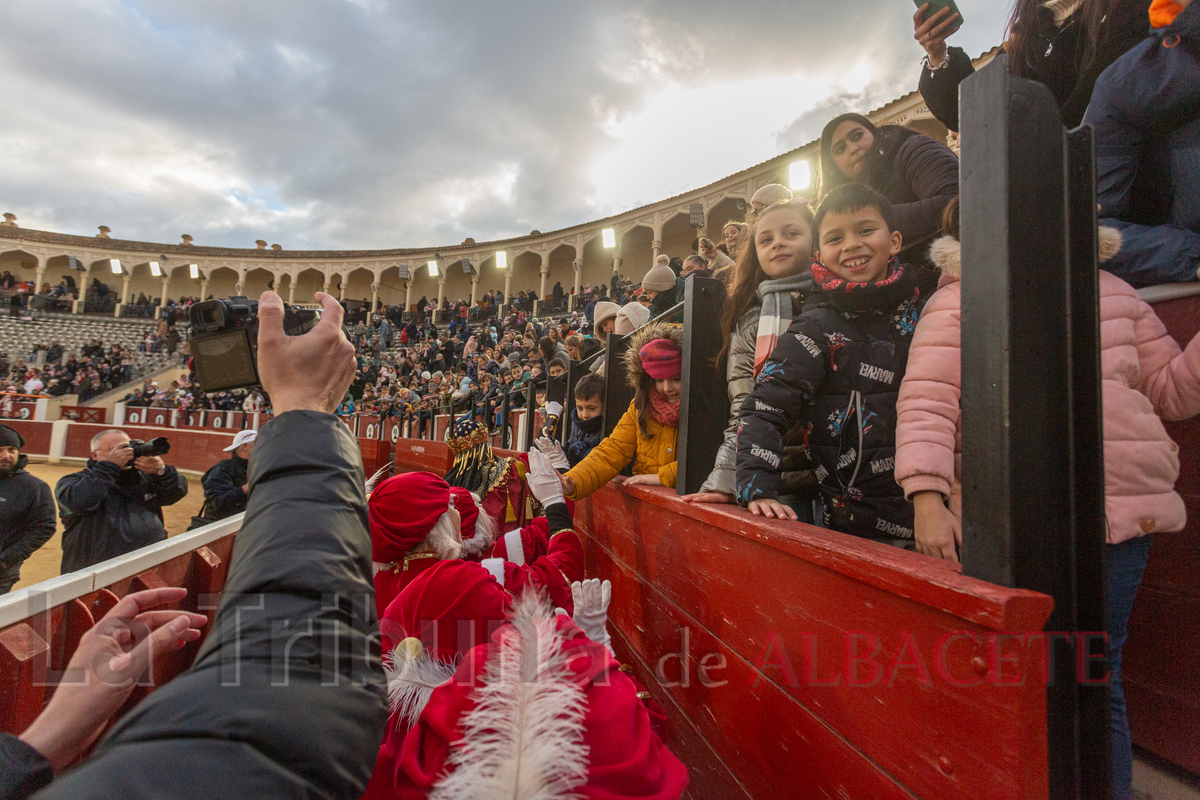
159 446
223 335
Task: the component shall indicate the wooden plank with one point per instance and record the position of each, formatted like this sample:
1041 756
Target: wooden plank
416 455
937 738
23 661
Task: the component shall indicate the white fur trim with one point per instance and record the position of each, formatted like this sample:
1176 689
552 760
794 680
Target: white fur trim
1110 243
496 567
946 252
514 548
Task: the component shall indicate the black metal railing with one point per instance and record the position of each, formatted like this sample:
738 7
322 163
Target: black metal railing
1032 443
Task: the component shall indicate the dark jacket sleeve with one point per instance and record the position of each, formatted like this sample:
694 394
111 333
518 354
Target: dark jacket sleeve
37 527
82 492
930 169
23 770
939 88
788 382
221 492
170 487
285 698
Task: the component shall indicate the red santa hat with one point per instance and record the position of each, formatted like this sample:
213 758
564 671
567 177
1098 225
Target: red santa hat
404 510
477 527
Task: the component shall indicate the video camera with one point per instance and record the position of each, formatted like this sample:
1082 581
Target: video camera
158 446
223 335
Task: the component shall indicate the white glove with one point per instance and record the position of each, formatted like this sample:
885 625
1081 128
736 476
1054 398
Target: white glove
554 409
591 609
543 480
553 451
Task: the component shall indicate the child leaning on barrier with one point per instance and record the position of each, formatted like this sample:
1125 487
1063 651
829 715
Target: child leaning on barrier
770 283
587 418
837 371
1144 376
647 432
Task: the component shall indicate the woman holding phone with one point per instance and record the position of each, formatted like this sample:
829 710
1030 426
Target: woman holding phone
1064 44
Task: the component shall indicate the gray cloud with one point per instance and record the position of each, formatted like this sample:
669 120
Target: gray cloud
370 123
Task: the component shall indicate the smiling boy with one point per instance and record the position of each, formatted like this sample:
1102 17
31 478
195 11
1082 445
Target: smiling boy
837 370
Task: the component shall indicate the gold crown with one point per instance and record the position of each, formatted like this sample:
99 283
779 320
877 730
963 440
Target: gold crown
461 444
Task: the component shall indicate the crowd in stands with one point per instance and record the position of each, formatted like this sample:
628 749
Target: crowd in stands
95 370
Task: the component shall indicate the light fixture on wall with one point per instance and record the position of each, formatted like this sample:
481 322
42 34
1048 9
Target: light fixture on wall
115 264
501 259
433 269
609 237
800 175
196 274
155 270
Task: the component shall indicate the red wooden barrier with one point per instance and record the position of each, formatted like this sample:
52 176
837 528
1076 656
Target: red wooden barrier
415 455
375 454
17 410
84 414
796 662
37 435
195 450
1160 670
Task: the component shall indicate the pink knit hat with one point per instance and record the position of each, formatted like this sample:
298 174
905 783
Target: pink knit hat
662 359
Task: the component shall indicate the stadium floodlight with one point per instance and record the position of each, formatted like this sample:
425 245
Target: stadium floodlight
155 270
433 269
115 264
501 259
609 237
195 270
800 175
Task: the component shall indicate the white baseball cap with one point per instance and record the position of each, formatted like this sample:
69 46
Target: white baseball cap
242 438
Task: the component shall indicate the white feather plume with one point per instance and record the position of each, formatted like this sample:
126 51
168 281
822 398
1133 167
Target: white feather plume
523 740
411 680
374 479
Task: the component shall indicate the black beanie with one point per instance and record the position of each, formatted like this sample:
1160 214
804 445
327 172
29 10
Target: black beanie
10 438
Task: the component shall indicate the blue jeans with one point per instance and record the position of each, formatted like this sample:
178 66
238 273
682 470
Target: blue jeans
1126 562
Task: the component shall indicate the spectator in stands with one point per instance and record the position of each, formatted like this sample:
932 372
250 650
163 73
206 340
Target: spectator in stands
695 265
1064 45
227 483
838 371
663 286
1146 114
604 318
734 232
1144 377
114 506
769 288
587 418
631 317
26 509
720 265
647 432
304 542
918 175
33 383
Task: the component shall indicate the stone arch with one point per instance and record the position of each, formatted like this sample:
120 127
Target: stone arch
257 281
392 287
723 212
678 236
526 268
358 285
491 279
222 281
309 281
21 263
561 270
597 263
637 253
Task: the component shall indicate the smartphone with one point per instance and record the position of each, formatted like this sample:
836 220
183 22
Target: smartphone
937 5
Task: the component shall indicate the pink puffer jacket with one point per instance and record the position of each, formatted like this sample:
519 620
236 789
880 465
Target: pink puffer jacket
1144 376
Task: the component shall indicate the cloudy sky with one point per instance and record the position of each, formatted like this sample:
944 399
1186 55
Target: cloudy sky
389 123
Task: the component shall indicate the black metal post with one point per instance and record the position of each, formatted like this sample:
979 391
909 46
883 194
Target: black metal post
617 394
505 428
1032 472
704 407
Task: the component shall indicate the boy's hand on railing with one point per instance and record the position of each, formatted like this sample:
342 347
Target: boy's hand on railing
708 497
105 668
773 509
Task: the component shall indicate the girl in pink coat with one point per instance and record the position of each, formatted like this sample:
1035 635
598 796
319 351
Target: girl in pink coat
1145 378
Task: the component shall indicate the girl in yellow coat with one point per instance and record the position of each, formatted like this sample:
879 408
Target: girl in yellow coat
649 430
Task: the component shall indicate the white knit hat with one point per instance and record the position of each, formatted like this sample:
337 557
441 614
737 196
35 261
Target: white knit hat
660 278
771 194
604 310
632 316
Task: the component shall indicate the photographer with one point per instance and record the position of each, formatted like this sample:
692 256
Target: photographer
26 509
226 487
115 505
286 696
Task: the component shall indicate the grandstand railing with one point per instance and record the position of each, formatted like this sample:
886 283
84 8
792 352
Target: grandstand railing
40 627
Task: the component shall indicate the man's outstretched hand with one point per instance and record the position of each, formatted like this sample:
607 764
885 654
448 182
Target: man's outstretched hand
307 372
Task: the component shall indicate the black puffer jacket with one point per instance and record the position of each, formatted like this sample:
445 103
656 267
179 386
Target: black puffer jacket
919 176
286 697
837 371
26 518
223 495
107 511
